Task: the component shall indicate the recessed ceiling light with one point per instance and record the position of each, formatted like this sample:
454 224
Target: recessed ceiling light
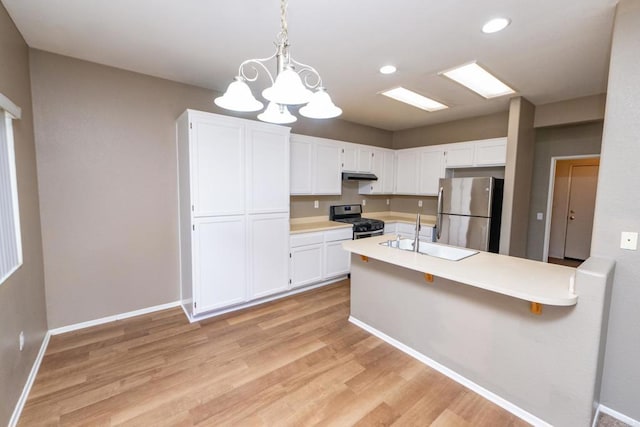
495 25
388 69
479 80
415 99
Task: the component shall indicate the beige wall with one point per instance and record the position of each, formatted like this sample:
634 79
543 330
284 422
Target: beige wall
107 168
482 127
517 178
22 296
578 110
302 206
618 210
580 139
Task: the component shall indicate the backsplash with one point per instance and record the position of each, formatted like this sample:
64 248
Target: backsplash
302 206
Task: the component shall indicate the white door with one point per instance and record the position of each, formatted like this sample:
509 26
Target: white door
431 170
407 172
327 168
300 165
267 169
582 198
218 262
217 161
337 260
306 265
268 261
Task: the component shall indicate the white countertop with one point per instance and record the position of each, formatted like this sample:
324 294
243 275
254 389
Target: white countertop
521 278
312 224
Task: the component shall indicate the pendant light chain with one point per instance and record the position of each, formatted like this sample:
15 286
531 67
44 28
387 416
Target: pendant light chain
284 31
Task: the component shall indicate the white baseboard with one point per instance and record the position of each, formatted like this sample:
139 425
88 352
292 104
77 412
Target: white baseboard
113 318
615 414
492 397
13 421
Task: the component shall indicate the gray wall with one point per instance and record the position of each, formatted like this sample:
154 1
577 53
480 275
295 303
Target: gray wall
302 206
107 169
584 109
553 142
517 178
482 127
618 209
22 296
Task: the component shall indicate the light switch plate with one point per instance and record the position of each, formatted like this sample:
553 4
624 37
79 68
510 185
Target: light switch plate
539 216
316 204
419 203
629 240
364 202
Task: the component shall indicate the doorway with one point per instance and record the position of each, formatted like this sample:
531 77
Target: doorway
570 207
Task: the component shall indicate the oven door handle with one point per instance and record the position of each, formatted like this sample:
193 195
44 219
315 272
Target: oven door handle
363 234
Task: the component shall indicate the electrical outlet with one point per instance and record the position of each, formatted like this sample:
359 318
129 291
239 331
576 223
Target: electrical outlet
316 204
539 216
21 340
388 202
419 203
629 240
364 202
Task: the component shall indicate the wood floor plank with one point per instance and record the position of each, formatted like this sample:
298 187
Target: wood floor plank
292 362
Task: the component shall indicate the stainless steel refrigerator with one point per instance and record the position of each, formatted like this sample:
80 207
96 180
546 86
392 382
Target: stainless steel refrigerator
469 213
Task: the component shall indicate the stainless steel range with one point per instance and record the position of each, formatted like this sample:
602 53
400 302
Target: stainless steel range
352 214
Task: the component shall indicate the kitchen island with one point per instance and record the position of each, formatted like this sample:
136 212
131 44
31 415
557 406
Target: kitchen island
472 320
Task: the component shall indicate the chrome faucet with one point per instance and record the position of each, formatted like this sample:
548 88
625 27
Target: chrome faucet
416 240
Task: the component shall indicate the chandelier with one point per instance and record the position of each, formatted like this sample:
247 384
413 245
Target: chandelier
295 84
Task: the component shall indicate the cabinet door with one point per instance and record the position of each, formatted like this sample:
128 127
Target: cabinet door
431 170
218 262
349 157
407 172
306 265
217 167
300 170
491 152
365 158
327 173
460 155
406 231
267 169
377 168
268 263
337 260
390 227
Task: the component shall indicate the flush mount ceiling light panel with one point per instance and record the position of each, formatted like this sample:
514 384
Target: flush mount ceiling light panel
415 99
295 84
479 80
494 25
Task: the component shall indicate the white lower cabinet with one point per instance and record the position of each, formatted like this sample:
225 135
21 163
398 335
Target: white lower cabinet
219 262
306 258
318 256
407 230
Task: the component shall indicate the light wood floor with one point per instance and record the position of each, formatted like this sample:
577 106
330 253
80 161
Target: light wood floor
295 362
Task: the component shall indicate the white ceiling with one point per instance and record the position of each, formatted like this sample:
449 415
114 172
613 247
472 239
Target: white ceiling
553 49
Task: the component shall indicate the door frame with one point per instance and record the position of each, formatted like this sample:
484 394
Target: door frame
552 182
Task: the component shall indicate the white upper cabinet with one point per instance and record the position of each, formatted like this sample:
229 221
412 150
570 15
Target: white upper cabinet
356 157
460 155
488 152
267 169
315 166
217 166
431 170
407 162
382 166
491 152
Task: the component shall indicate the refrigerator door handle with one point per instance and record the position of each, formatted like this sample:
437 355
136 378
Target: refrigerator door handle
439 214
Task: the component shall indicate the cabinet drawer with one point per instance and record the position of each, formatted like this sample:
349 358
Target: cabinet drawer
306 239
340 234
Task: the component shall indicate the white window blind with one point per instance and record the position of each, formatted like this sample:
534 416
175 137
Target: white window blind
10 242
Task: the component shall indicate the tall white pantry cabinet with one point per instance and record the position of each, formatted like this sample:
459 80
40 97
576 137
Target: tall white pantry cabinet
233 179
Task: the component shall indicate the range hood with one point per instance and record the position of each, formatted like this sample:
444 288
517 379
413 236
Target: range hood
358 176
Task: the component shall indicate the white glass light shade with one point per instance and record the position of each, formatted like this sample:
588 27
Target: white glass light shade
278 114
238 97
320 106
288 89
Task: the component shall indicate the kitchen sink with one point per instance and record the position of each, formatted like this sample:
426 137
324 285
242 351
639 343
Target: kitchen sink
437 250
